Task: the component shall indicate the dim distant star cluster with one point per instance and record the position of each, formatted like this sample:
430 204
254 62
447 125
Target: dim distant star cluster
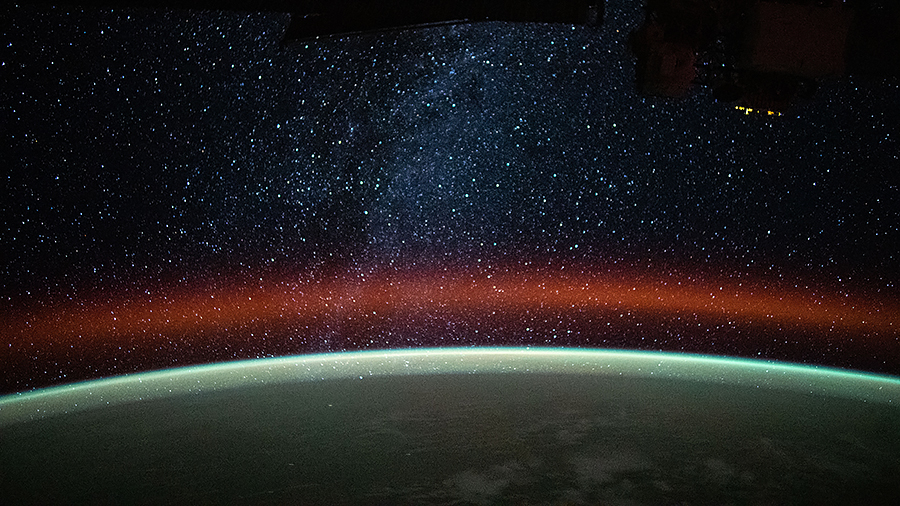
180 187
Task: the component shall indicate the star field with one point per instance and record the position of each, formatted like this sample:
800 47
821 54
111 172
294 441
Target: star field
179 188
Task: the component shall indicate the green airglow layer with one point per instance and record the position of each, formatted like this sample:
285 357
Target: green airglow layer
196 380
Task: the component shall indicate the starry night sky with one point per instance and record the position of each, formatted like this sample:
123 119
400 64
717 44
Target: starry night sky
179 188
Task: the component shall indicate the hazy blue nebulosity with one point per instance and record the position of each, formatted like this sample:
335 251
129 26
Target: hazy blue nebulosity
146 148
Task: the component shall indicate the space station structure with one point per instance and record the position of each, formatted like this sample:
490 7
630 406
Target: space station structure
326 18
762 56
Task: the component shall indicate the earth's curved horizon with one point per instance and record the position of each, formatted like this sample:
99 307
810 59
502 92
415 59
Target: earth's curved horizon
554 305
184 189
207 378
460 426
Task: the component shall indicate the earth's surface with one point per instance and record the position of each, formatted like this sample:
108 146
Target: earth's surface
477 426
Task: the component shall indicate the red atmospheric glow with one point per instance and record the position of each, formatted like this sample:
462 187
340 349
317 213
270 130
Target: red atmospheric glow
353 309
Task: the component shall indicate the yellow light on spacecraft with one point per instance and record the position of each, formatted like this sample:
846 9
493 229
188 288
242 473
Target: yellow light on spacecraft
748 110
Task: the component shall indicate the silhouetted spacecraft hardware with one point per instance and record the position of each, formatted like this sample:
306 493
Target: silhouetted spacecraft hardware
328 18
763 55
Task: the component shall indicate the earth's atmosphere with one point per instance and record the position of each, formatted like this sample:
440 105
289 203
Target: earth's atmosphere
495 426
180 188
